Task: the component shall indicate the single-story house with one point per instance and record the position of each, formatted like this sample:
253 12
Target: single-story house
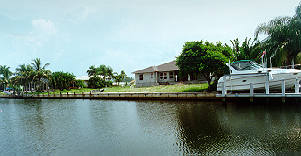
166 73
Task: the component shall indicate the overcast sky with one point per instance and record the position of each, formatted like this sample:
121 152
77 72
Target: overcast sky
126 34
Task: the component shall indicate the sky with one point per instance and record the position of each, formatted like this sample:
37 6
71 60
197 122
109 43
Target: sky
127 35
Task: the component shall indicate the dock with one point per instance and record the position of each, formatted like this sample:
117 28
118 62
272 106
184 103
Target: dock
284 96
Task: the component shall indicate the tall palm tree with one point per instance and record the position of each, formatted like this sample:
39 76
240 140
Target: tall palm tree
284 37
40 73
5 75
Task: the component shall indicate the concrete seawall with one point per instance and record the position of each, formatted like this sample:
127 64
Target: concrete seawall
122 95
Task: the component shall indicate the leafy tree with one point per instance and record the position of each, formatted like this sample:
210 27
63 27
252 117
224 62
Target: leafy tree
99 75
247 50
79 84
61 80
96 82
207 59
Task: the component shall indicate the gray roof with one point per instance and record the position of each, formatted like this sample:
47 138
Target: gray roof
170 66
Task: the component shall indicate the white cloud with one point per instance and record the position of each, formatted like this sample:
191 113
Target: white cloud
42 32
44 26
79 14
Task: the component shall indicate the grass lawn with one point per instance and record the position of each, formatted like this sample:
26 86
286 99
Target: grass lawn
162 88
71 91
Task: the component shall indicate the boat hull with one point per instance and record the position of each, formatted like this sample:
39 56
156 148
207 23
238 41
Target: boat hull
242 83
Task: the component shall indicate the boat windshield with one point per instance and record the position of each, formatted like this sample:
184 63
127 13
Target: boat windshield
246 65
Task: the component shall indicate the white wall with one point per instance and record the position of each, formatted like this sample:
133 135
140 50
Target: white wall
147 80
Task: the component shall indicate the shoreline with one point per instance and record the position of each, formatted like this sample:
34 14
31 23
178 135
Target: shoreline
200 96
122 95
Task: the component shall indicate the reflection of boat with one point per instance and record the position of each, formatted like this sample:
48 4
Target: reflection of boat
245 72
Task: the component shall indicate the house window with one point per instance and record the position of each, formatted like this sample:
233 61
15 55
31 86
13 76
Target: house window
141 77
163 75
152 75
171 75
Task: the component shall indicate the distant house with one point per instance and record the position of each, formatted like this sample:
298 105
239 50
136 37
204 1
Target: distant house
85 79
167 73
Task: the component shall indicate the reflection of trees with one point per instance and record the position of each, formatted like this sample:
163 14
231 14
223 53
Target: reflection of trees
268 127
157 116
238 128
30 113
199 127
44 124
195 124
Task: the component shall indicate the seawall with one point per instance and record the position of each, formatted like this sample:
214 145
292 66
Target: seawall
122 95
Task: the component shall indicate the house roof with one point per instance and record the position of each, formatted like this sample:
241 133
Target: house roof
170 66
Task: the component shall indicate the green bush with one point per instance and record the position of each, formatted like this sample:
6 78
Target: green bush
62 80
96 82
79 84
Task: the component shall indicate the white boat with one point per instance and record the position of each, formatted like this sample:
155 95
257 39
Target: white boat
245 72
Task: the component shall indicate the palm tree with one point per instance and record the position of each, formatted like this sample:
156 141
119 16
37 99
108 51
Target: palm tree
6 74
92 71
247 50
40 74
284 37
23 75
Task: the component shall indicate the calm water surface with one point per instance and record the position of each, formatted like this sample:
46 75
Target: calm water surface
105 127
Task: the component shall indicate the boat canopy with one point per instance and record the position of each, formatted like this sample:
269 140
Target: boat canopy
245 65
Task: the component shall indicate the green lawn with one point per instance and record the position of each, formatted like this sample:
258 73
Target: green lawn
162 88
71 91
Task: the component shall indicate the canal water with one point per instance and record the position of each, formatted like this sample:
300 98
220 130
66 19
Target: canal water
108 127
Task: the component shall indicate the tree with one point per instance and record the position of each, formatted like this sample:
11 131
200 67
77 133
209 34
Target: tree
206 59
92 71
23 75
119 77
247 50
105 71
61 80
40 73
100 76
284 37
5 75
79 84
96 82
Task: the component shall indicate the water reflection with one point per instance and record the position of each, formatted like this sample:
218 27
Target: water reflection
200 128
93 127
265 128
